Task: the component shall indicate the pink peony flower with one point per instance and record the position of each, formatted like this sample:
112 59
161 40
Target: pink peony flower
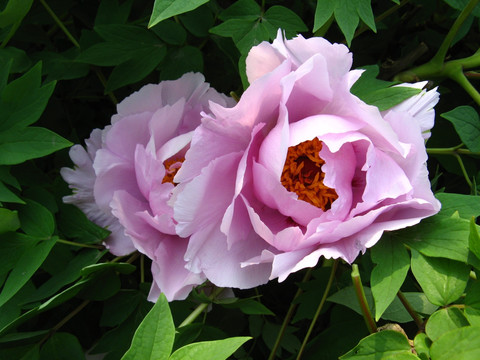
124 179
300 168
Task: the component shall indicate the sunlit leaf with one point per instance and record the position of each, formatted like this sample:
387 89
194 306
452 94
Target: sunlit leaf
163 9
155 335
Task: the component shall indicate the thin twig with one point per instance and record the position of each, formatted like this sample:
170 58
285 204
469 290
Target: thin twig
319 309
288 316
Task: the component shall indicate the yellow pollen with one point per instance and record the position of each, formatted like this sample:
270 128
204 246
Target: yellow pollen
171 168
302 174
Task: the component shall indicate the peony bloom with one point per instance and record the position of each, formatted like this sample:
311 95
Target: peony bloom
300 168
124 178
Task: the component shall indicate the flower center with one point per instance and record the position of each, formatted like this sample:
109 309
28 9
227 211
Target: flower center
171 168
302 174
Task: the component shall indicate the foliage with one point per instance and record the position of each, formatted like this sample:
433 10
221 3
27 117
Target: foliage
64 64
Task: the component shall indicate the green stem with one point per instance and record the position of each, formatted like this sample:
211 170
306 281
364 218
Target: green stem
104 83
67 242
60 24
439 57
362 300
451 151
418 320
464 171
65 320
462 80
200 308
286 320
76 44
319 309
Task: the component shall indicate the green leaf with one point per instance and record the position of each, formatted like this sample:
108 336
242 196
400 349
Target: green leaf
36 220
347 18
14 12
163 9
467 124
12 246
119 307
24 99
171 32
75 225
323 12
155 335
7 195
443 321
32 354
461 343
474 238
466 205
180 61
25 267
283 18
347 297
19 145
101 285
134 51
364 10
5 66
472 315
380 93
131 36
13 307
387 277
199 21
380 346
117 341
54 301
234 28
472 304
242 9
18 338
439 236
67 275
210 350
106 54
368 81
385 99
258 33
328 344
290 341
442 280
8 220
396 311
249 307
472 298
136 68
460 5
123 268
422 345
8 178
62 346
63 66
20 62
111 12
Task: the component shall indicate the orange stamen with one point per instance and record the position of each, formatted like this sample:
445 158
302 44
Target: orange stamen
171 168
302 174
